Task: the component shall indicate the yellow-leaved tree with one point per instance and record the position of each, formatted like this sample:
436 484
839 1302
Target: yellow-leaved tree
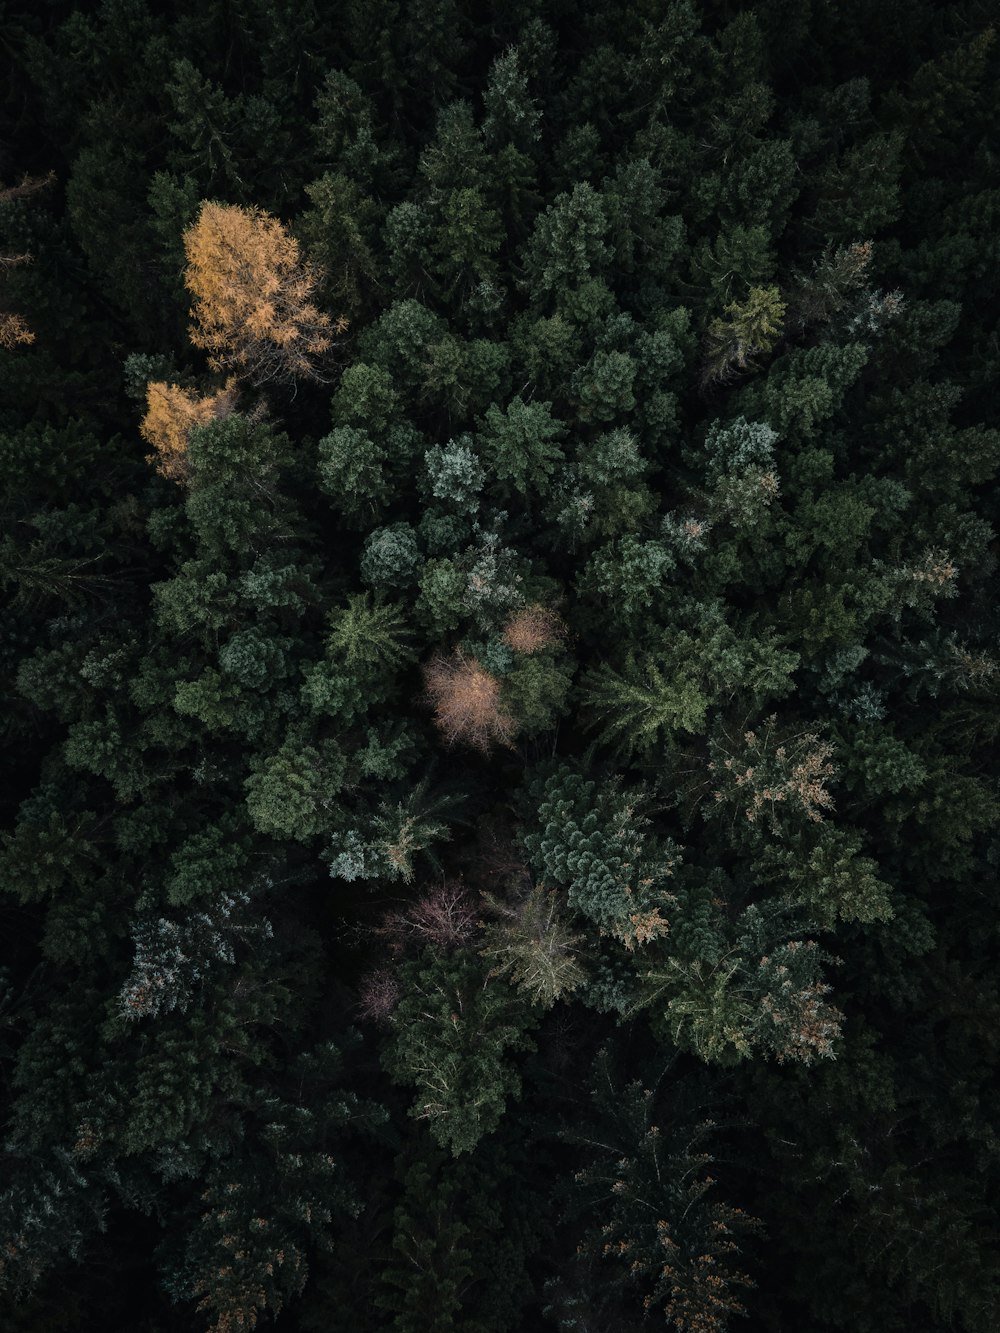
253 294
171 414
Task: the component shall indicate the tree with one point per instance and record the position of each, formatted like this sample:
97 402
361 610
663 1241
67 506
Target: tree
450 1033
859 192
234 500
727 986
751 330
253 297
671 687
48 1210
634 708
536 690
290 794
771 776
462 1235
454 473
172 957
369 639
568 245
529 940
532 629
838 272
467 702
425 1285
625 578
521 444
276 1197
171 414
384 843
14 329
595 844
391 557
602 493
646 1192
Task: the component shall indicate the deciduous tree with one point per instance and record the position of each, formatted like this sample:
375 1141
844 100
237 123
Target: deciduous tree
254 311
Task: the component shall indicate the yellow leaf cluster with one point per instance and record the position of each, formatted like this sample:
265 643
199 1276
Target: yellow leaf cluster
253 310
171 414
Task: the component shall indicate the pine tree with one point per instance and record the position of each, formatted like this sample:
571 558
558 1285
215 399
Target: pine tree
751 330
521 444
529 940
634 708
14 329
596 845
645 1189
450 1035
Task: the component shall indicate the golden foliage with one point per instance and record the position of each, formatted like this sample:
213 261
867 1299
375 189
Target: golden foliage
532 628
171 414
13 331
253 305
467 704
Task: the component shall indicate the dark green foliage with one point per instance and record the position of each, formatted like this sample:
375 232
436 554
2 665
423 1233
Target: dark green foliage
656 1220
450 1034
520 445
589 682
462 1233
594 844
48 1210
281 1190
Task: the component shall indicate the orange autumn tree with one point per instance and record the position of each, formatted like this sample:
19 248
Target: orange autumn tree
253 294
171 415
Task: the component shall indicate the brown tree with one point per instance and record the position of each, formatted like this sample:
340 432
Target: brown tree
467 703
253 294
443 918
532 628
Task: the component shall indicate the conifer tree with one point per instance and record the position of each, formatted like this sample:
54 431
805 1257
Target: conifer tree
14 329
751 330
253 296
649 1192
451 1034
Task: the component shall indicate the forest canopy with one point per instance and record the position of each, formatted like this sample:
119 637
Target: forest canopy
501 667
